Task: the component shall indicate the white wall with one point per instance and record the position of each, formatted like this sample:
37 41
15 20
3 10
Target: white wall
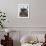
37 14
37 18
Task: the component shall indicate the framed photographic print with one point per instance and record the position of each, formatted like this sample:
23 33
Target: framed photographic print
23 10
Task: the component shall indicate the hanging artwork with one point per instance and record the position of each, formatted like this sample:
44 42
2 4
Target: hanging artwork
23 10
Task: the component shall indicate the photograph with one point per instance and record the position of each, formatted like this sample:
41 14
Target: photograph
23 10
